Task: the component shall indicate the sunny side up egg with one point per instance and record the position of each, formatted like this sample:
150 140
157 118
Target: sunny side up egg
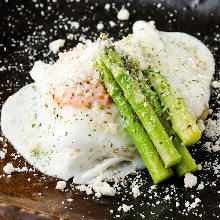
66 125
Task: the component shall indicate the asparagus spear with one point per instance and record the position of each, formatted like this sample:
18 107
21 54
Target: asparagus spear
139 136
182 121
141 106
187 164
148 92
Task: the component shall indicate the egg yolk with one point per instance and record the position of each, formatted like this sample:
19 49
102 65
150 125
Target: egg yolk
83 94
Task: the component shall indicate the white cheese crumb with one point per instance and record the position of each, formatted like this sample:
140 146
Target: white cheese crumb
8 168
125 207
135 190
112 23
104 189
187 204
2 68
167 197
69 200
56 45
194 204
190 180
100 26
200 186
123 14
107 6
216 84
2 154
85 188
74 24
207 146
61 185
177 204
159 5
215 148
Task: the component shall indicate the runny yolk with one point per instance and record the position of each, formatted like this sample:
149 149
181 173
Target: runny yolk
79 95
83 95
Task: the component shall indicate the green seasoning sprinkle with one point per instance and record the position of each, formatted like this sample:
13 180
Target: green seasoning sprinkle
89 135
35 116
35 154
195 80
66 133
89 105
33 125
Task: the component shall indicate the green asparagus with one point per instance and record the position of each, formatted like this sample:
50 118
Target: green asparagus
187 164
148 92
141 106
139 136
182 121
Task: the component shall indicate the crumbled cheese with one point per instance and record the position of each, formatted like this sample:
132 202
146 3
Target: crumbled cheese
200 186
194 204
216 84
9 168
69 200
61 185
74 24
112 23
56 45
187 203
136 191
207 146
190 180
107 6
2 68
100 26
2 154
167 197
159 5
123 14
104 189
85 188
215 148
125 207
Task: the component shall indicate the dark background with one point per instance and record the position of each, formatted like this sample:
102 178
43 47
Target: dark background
22 42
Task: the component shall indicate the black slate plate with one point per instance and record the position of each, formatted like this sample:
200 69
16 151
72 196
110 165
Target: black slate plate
26 29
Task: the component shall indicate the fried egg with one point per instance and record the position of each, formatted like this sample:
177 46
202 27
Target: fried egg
66 125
